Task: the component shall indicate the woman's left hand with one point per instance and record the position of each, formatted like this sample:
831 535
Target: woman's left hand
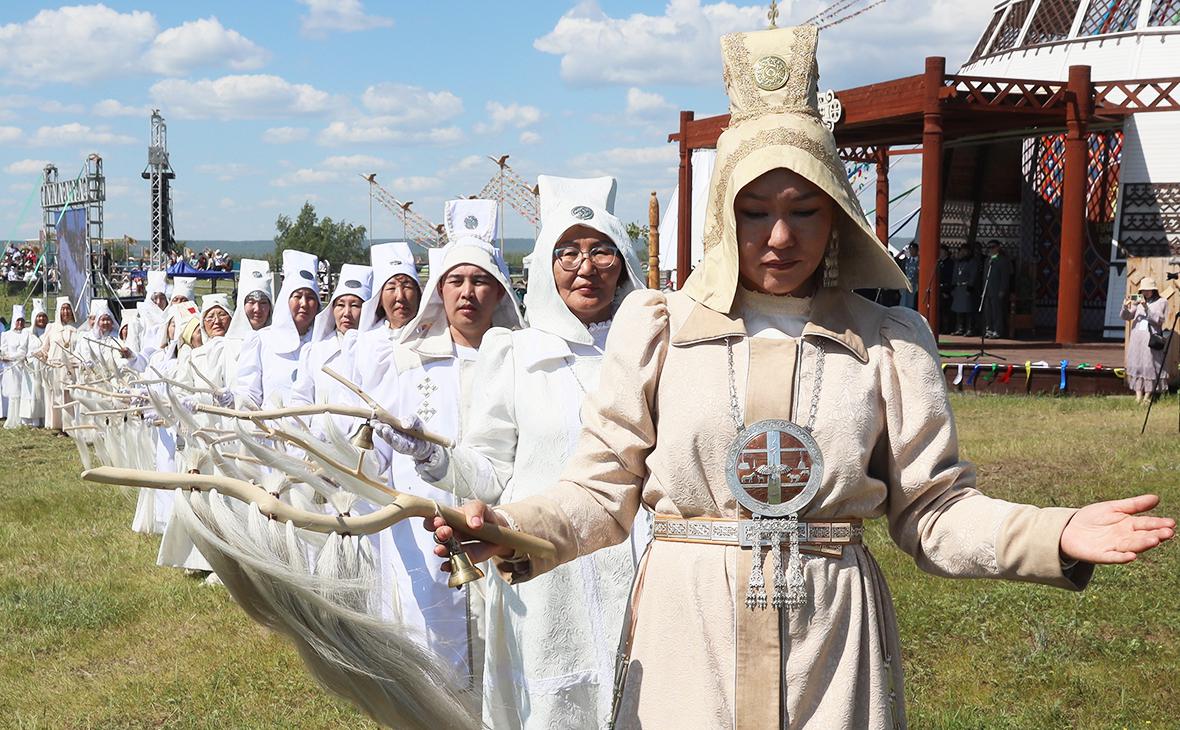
1115 532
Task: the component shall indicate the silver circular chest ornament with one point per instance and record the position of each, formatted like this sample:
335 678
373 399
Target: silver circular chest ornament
774 468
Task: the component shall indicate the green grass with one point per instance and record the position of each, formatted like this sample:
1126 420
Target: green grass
93 634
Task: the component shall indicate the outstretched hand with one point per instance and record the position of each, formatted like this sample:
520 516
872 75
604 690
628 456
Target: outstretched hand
1115 532
477 513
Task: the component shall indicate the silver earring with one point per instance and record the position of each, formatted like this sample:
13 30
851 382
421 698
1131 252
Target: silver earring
832 261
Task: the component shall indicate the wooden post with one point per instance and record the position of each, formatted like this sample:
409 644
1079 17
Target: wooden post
1078 110
684 205
930 222
883 194
653 242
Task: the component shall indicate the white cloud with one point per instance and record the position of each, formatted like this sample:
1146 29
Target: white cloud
501 116
75 133
354 163
10 104
74 44
9 134
656 161
402 105
529 137
380 130
116 108
414 183
227 203
345 16
284 135
225 171
867 49
630 156
466 164
680 46
25 167
646 105
306 176
202 43
238 97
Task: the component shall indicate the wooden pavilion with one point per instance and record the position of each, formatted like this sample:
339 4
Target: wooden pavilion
935 109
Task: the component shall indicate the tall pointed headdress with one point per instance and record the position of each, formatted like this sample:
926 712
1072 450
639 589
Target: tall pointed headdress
772 79
565 203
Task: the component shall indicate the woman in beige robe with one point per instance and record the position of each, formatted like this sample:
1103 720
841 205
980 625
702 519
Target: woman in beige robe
786 242
55 351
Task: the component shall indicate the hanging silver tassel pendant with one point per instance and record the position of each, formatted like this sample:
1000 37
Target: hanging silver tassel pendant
756 590
779 601
796 587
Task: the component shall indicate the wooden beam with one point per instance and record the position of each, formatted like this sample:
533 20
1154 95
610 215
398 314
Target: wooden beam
1078 110
684 205
882 212
930 222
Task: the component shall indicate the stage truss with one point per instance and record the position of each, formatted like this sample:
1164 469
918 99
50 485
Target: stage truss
88 190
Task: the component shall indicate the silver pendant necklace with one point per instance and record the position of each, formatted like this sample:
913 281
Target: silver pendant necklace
768 461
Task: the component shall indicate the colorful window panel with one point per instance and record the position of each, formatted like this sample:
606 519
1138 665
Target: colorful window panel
1052 22
981 47
1010 31
1110 16
1164 13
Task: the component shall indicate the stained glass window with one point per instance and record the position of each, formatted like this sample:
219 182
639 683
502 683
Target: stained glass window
1010 30
1164 13
1052 22
981 47
1110 16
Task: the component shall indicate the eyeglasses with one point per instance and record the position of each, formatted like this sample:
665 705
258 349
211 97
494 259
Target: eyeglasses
570 258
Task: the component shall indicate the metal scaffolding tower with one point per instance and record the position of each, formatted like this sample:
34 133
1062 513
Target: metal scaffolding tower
159 172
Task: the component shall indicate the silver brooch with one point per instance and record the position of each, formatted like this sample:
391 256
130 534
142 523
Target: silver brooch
307 275
581 212
470 222
770 73
352 284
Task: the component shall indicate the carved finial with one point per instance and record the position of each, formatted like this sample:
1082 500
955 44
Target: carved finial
773 14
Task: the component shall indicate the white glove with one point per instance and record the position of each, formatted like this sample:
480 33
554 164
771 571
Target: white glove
224 398
189 403
403 443
87 364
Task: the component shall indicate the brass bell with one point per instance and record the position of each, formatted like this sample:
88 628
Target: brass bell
363 438
463 571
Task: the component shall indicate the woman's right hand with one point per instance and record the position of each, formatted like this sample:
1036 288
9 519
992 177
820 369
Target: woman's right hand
477 514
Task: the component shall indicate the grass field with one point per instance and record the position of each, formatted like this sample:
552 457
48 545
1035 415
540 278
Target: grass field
92 634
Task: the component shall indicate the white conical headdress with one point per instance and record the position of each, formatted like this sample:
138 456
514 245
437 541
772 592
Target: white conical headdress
427 333
356 280
157 283
471 218
389 260
184 286
99 307
565 203
254 277
61 302
299 272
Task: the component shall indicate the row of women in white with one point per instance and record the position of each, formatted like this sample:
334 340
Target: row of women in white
454 356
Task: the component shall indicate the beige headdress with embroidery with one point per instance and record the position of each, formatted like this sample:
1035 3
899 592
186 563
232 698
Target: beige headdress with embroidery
772 79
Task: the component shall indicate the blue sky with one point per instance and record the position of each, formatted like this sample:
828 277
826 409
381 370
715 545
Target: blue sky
272 103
